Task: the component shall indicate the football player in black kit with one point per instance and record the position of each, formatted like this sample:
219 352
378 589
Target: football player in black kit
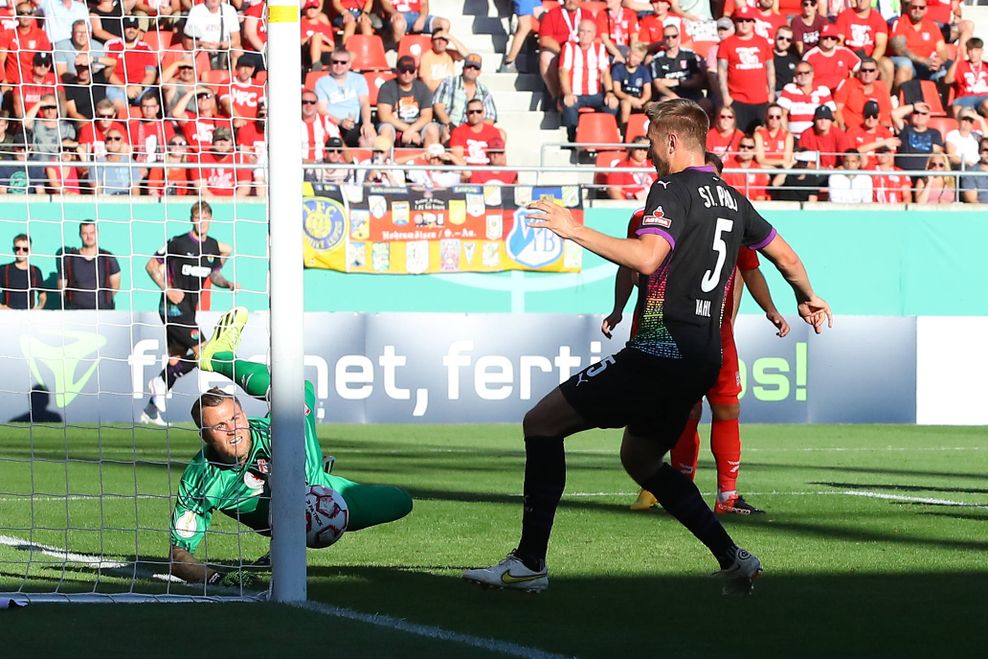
180 269
685 249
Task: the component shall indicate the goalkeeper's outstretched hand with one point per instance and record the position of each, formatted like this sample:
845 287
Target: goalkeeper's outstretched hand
236 579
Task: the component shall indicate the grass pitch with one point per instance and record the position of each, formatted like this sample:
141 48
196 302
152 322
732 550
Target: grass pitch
874 543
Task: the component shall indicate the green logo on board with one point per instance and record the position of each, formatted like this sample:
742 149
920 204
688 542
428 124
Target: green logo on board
72 362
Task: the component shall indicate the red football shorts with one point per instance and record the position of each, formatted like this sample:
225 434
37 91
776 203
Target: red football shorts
728 386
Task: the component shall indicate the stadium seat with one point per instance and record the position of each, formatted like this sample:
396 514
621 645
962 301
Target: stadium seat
597 128
701 48
159 40
312 77
402 152
215 78
415 45
943 124
360 155
374 81
260 77
637 126
931 95
367 52
606 159
134 112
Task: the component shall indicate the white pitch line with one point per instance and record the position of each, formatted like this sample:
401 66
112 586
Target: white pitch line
96 562
427 631
899 497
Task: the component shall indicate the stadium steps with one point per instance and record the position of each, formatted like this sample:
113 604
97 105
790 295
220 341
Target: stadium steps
485 28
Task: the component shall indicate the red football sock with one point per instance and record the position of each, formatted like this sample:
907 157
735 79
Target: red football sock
687 449
725 444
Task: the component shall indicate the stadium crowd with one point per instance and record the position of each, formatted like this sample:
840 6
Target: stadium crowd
166 97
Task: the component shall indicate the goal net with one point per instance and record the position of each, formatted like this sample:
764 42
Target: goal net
104 179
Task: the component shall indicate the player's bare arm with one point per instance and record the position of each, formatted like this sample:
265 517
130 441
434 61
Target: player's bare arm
624 283
812 309
156 270
643 254
219 280
758 287
187 567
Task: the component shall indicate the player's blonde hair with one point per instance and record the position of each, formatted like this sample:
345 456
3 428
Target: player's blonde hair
679 116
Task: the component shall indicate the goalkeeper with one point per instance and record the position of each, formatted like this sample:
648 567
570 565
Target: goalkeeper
231 472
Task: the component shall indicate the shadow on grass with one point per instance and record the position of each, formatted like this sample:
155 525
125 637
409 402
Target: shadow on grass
823 615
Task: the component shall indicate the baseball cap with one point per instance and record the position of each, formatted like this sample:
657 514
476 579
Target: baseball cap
311 3
439 34
222 133
434 150
42 58
496 144
406 61
829 30
334 143
745 12
381 143
474 59
823 112
725 22
871 109
131 21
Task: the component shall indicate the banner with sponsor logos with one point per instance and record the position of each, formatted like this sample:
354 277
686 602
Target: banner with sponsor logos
401 230
444 368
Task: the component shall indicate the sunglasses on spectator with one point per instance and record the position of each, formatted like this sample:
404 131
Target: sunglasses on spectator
936 165
309 101
745 20
112 138
406 69
21 249
871 116
746 146
809 3
869 70
471 66
726 116
911 7
476 111
775 116
105 116
783 38
920 112
204 95
339 61
828 37
670 36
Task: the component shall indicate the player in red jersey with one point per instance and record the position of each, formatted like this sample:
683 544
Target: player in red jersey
725 434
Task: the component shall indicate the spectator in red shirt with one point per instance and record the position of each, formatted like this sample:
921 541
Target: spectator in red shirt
198 125
864 31
618 29
632 185
317 35
768 20
251 144
218 174
149 134
171 179
651 28
349 15
255 27
917 46
241 98
774 144
495 151
23 44
806 27
93 134
752 184
40 82
316 128
871 135
723 136
801 98
558 26
856 91
471 140
891 188
585 78
832 63
137 64
746 71
969 77
824 138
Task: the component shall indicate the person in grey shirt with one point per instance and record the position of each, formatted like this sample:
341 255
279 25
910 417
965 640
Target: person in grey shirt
974 189
47 130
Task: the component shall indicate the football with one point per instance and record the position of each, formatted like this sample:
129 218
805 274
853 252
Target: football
326 516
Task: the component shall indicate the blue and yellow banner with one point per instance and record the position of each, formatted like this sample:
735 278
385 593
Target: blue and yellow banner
468 228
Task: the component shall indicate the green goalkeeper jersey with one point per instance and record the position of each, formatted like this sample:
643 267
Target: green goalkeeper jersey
239 491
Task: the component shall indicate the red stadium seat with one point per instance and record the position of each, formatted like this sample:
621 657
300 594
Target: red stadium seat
312 77
415 45
360 155
701 48
606 159
374 81
931 95
597 128
367 52
215 78
420 157
260 77
159 40
943 124
637 126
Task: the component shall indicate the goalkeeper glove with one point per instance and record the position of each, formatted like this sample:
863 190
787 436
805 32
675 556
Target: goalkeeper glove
235 579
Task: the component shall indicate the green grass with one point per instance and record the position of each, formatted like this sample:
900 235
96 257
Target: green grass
848 576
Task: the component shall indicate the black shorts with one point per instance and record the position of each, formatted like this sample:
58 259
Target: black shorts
182 333
652 396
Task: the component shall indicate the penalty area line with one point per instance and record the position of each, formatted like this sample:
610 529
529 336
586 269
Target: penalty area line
899 497
428 631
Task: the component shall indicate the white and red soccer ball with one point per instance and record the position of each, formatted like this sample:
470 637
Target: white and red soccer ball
326 516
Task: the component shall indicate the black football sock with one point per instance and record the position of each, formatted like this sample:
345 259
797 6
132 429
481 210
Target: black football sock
679 496
545 479
174 371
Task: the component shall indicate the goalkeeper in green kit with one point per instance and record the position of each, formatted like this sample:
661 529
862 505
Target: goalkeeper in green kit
231 472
